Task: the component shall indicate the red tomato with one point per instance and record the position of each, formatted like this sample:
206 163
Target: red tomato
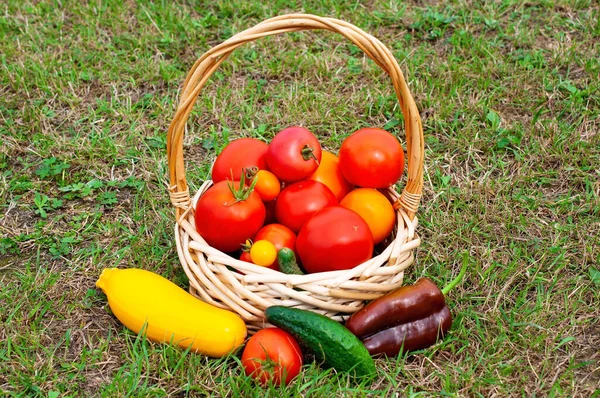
294 154
226 217
298 202
333 239
272 355
372 158
330 174
279 235
238 155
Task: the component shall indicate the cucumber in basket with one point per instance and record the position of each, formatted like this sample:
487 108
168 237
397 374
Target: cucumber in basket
287 262
332 344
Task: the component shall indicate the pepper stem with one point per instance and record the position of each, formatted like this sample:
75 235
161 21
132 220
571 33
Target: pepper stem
461 274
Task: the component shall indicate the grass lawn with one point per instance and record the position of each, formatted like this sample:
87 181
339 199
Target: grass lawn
509 94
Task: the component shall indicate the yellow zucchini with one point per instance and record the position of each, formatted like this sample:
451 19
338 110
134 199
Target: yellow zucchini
138 296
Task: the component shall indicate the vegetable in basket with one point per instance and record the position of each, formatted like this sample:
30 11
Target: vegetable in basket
299 201
263 253
294 154
287 262
372 158
330 174
374 208
334 239
238 155
267 185
145 301
407 319
279 235
228 214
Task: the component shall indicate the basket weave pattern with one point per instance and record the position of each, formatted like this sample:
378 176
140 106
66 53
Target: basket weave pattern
214 275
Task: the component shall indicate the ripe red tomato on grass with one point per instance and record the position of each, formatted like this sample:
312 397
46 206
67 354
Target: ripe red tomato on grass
298 202
372 158
334 239
272 354
238 155
228 214
294 154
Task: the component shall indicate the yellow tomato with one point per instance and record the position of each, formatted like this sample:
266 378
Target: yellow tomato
374 208
330 174
263 253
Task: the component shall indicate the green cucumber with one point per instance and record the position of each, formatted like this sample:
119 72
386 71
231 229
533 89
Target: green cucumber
332 344
287 262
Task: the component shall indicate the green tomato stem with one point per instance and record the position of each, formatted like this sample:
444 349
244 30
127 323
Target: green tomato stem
308 153
243 192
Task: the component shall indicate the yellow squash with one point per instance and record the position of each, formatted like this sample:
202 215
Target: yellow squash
138 296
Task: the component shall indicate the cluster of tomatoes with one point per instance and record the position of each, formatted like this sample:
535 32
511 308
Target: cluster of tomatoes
329 210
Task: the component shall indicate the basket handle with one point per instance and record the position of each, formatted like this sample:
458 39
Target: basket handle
204 67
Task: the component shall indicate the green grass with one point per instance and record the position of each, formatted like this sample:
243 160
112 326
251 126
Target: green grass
509 94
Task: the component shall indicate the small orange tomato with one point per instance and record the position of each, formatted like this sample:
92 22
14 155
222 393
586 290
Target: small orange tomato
374 208
330 174
267 184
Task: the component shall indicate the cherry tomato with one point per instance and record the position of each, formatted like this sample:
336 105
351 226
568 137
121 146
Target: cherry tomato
298 202
330 174
372 158
294 154
374 208
263 253
239 154
267 186
245 256
334 238
228 214
272 354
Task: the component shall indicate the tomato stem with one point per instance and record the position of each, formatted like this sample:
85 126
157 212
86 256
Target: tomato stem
308 153
250 172
247 246
243 192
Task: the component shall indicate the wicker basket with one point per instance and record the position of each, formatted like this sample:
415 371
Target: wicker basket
213 275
